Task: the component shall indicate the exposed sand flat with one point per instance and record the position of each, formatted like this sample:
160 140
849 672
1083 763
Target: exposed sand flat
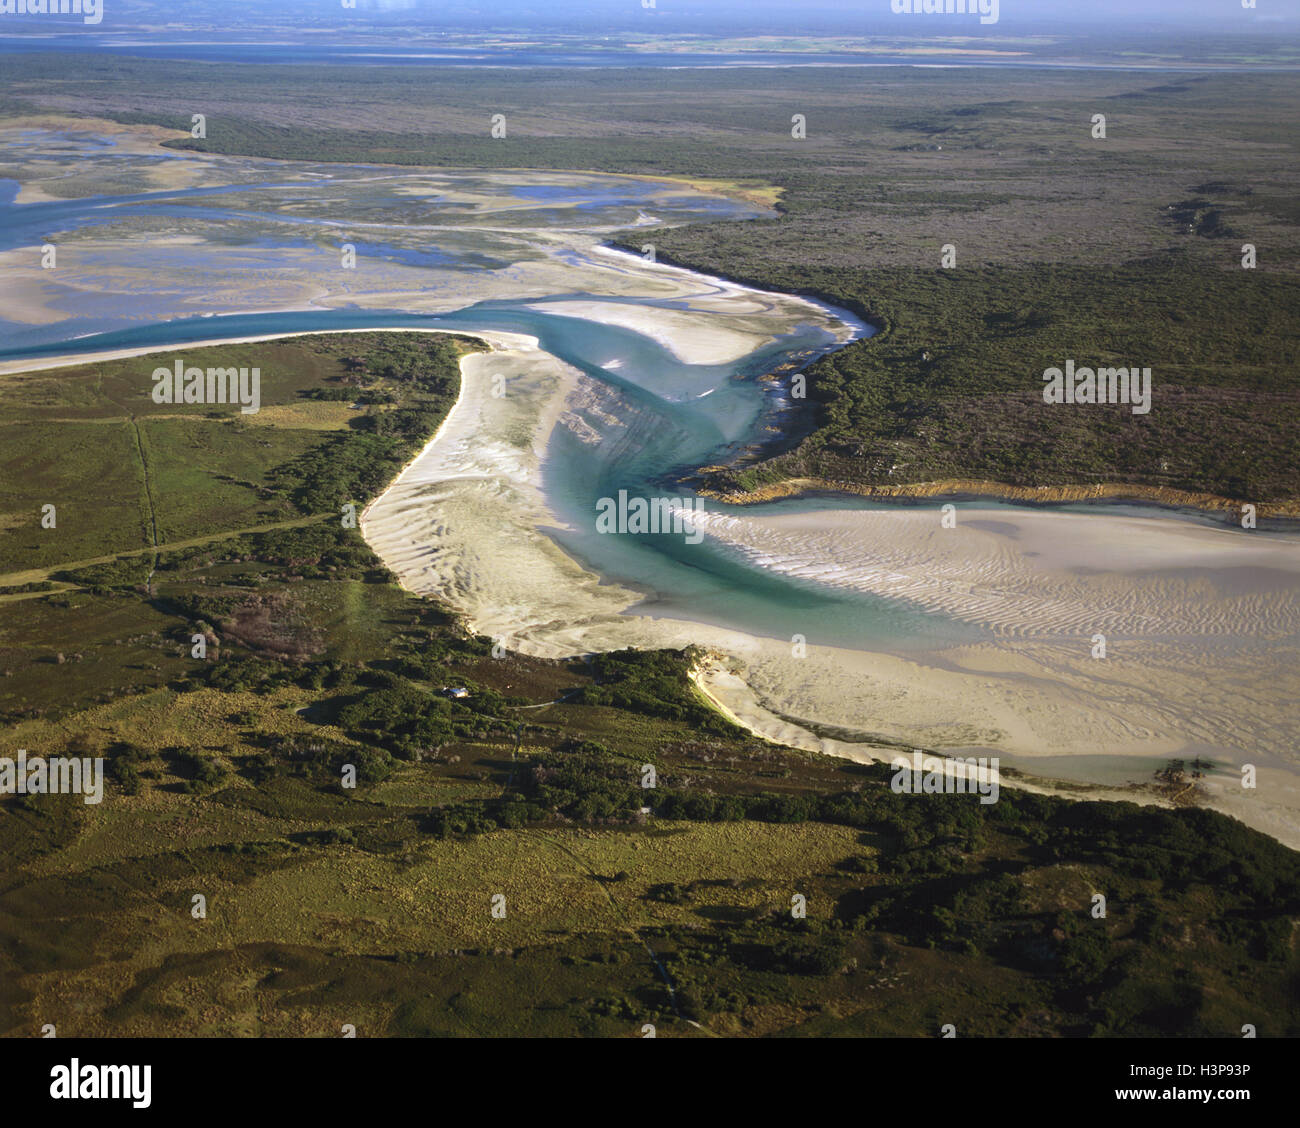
45 169
722 296
42 297
269 238
1040 573
693 338
1201 622
1053 718
1202 629
29 303
116 266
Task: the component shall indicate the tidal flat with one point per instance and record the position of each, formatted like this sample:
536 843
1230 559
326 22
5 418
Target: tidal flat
610 371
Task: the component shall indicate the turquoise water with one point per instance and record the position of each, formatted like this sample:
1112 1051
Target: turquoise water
668 416
666 421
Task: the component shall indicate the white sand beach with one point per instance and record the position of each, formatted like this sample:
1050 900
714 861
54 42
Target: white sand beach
693 338
1201 622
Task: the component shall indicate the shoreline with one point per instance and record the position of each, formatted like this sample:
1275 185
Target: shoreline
855 323
741 703
864 318
466 524
72 360
709 676
960 489
496 341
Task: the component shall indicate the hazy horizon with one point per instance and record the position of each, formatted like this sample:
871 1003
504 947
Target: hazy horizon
712 17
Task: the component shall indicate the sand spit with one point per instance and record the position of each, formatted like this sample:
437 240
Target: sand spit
720 295
1202 623
962 487
72 360
732 697
1058 731
452 522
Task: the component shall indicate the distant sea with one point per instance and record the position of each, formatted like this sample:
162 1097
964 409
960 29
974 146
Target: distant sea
387 54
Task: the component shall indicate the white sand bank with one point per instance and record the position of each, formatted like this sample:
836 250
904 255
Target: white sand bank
1201 622
693 338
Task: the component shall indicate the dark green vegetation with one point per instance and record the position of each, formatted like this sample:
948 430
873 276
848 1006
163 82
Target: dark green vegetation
372 905
953 389
1123 251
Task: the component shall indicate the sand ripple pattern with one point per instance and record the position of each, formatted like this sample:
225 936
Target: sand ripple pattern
1036 574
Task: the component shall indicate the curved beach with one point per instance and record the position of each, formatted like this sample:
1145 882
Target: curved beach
1200 622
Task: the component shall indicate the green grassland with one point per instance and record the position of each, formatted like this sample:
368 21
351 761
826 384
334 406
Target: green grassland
327 905
339 414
